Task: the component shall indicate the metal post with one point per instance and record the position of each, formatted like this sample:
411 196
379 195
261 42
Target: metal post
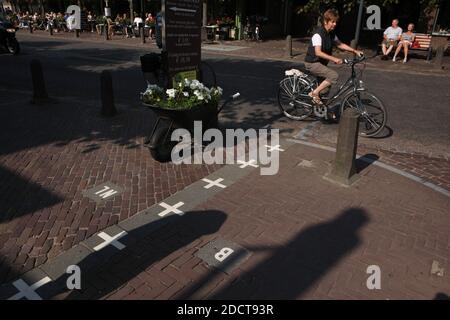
37 76
142 32
77 33
107 94
344 169
289 46
131 11
358 24
50 28
439 57
106 30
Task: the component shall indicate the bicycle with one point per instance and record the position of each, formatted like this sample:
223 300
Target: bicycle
296 104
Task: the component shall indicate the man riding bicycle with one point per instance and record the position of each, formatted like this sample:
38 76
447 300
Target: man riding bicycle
320 53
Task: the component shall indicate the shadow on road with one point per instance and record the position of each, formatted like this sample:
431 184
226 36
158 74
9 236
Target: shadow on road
107 270
294 268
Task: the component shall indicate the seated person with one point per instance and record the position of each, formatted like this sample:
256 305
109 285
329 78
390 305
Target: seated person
110 27
320 53
406 42
137 22
391 37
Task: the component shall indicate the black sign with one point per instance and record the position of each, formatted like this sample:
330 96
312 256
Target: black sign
182 33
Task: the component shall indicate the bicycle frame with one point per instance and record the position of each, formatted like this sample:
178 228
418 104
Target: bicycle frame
351 83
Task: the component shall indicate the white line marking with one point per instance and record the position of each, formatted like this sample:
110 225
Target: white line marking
111 241
170 209
216 183
382 165
274 148
251 163
26 291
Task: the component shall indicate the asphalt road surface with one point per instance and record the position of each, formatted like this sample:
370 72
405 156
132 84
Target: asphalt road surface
418 104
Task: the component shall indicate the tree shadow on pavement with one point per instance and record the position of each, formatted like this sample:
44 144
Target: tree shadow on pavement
294 268
441 296
107 270
20 196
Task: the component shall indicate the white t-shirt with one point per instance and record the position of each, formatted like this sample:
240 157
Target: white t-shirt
393 34
317 40
138 20
71 22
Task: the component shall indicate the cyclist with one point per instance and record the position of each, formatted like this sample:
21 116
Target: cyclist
320 53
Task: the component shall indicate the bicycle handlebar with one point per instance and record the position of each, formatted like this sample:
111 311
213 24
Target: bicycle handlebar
355 60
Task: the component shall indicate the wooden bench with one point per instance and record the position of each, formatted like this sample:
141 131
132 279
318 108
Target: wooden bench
424 42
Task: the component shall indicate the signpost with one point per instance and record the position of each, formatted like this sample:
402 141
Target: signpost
182 38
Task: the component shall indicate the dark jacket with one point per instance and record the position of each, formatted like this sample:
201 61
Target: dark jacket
327 46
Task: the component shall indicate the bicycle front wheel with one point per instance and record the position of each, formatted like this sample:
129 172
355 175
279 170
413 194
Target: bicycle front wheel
293 98
373 114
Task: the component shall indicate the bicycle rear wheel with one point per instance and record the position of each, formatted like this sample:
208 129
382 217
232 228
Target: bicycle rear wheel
293 98
373 114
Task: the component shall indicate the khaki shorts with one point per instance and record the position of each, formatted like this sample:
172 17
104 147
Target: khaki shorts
388 43
320 70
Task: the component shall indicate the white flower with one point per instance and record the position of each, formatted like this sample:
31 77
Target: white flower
199 95
186 94
195 84
171 93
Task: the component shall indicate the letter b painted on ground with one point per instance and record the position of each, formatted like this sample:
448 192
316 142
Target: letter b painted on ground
223 254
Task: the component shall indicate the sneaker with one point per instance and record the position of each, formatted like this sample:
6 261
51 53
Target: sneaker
405 60
394 58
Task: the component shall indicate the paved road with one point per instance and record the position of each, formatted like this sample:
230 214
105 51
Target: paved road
417 103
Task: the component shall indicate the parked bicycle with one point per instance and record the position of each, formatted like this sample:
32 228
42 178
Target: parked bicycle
296 104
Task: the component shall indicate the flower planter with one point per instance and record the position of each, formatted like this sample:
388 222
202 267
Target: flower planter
168 120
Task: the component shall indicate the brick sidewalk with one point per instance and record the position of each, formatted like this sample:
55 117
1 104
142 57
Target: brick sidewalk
51 155
310 239
298 237
60 151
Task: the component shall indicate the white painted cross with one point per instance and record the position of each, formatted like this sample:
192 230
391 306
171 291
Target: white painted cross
251 163
26 291
274 148
170 209
216 183
111 241
106 192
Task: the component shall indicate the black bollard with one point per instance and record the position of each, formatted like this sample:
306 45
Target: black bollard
50 29
77 33
439 57
142 34
344 169
289 46
31 27
106 31
40 95
107 95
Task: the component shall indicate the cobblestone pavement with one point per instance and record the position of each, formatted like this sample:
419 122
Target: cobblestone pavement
51 154
311 239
